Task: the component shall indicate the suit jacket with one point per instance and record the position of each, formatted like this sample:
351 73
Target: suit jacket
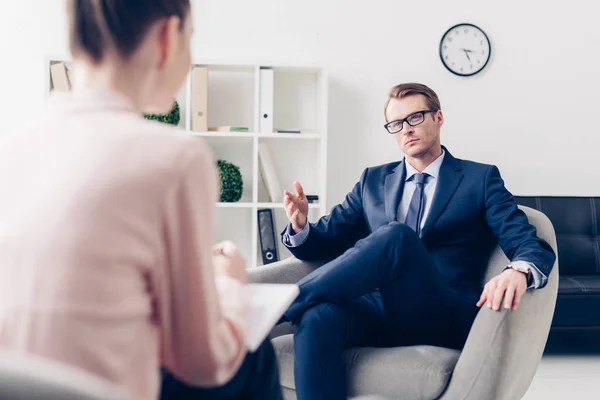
471 213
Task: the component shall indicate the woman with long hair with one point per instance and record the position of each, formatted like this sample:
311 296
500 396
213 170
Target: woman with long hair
107 259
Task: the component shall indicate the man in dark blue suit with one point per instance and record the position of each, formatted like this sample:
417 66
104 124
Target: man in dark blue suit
407 251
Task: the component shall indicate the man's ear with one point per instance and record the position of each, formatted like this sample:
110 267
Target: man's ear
439 118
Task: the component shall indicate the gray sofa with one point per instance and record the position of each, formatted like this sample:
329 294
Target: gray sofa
498 362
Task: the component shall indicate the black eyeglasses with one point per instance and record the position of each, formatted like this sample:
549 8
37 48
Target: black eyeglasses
413 119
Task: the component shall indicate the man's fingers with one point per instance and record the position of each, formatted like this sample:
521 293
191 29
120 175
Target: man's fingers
518 296
295 216
516 301
287 199
498 295
298 188
482 298
508 297
489 292
289 196
290 208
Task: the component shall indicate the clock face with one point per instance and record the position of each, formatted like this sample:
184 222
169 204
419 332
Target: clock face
465 49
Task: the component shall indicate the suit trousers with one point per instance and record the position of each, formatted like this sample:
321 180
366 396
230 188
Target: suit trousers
385 291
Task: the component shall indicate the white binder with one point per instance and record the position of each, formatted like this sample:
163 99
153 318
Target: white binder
267 80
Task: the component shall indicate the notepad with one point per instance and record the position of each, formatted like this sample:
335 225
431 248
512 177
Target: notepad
268 302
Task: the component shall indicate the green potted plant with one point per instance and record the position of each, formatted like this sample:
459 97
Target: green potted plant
231 181
172 117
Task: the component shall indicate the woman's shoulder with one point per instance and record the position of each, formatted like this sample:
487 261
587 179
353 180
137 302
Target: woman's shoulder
176 146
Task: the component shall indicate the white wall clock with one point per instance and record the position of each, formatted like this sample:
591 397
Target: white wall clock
465 49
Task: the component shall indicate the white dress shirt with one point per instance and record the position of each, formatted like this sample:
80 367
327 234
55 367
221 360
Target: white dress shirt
433 170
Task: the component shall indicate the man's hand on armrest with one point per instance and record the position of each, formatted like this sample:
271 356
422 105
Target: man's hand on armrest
511 284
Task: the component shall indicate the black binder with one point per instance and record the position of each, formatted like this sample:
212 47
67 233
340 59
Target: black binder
266 233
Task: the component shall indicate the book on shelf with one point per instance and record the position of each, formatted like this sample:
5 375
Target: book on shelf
228 129
59 77
200 99
269 174
312 198
289 130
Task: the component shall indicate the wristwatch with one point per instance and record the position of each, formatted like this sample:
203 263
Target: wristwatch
525 270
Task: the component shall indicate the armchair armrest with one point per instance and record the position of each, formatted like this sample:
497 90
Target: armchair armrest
504 348
290 270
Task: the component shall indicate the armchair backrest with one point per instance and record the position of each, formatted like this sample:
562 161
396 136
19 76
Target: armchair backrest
30 377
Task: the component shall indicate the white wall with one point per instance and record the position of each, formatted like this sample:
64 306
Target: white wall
532 111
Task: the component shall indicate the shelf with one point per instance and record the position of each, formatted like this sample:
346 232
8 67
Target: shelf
259 205
290 136
246 68
280 205
234 95
225 134
282 136
234 205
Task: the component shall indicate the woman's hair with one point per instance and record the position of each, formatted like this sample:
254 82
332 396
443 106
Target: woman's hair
95 25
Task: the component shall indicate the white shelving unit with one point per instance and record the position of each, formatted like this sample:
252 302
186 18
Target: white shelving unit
299 102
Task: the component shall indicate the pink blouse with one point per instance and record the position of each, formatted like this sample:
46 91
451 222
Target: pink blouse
106 229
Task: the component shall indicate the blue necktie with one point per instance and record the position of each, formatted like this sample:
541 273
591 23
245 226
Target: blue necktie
417 204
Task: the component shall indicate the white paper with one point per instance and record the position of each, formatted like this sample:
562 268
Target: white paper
268 302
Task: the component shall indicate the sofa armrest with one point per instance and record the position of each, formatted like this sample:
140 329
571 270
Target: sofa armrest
504 348
290 270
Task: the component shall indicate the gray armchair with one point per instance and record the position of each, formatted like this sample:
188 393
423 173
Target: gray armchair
30 377
498 362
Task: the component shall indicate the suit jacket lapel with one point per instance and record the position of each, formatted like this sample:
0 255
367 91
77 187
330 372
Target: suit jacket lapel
448 181
393 188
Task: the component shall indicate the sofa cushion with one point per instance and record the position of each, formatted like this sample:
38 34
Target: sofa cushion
579 285
578 301
412 372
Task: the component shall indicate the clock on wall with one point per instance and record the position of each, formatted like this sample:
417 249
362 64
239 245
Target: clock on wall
465 49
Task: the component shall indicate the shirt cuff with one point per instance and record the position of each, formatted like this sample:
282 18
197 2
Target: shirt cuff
295 240
539 279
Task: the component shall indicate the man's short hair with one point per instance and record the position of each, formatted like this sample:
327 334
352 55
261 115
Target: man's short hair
408 89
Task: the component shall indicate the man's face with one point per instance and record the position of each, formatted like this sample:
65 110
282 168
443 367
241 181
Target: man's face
421 139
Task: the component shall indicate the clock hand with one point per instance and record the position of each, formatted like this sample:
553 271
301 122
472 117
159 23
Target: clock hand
467 54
